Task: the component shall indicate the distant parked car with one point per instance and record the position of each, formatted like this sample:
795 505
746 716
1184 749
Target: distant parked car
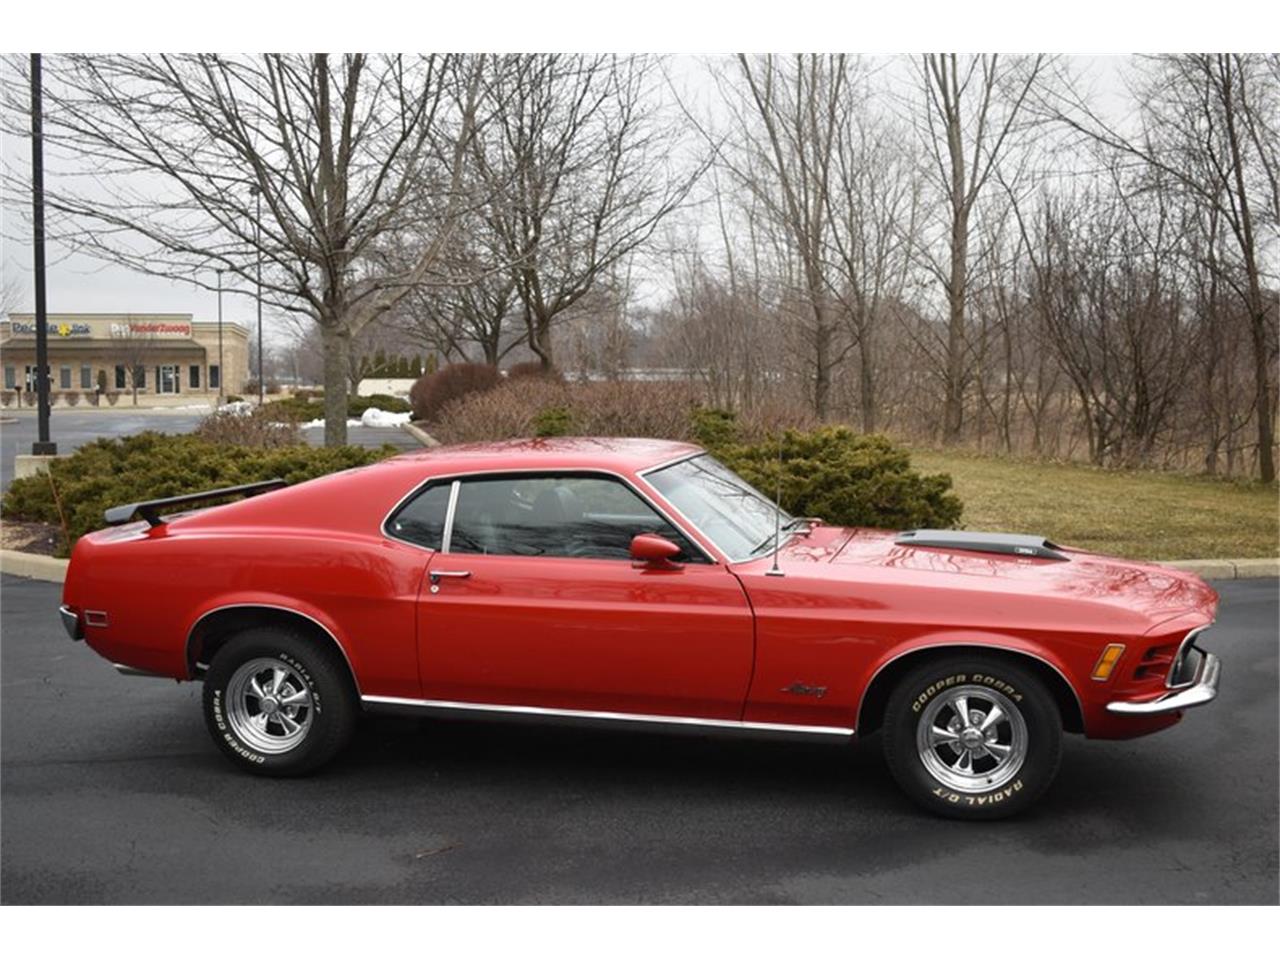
635 583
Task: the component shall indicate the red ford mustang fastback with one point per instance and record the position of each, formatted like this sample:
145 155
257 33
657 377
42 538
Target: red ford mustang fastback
635 583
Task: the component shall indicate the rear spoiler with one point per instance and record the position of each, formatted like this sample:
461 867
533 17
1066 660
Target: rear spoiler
150 509
1017 544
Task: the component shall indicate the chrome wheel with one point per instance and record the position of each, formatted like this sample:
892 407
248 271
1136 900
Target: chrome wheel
972 739
269 705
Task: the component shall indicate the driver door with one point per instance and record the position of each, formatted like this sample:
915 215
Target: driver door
534 601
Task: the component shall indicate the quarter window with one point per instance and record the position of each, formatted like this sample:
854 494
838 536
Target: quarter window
421 520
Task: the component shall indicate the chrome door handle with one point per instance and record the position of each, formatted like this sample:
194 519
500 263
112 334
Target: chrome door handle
437 574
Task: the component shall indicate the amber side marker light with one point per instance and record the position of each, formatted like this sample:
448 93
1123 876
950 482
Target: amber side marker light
1107 662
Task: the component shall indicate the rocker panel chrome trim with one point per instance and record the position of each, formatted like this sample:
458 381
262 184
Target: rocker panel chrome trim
451 706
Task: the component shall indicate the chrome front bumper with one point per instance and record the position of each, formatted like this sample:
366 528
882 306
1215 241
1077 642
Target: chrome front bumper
1200 691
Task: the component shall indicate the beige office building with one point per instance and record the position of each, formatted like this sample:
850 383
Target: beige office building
171 355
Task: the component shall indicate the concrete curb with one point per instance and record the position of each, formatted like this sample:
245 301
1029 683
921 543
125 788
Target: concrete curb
424 438
33 565
1241 569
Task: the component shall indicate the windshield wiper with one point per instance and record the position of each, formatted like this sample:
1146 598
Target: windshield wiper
789 525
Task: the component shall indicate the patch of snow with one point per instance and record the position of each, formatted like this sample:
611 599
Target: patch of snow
316 424
373 417
241 408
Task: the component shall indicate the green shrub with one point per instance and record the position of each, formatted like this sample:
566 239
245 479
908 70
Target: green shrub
356 406
303 407
713 428
287 409
107 473
553 422
846 478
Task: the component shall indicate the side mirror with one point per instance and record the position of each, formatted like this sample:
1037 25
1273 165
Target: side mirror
653 550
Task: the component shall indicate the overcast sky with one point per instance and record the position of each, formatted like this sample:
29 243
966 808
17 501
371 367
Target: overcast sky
78 283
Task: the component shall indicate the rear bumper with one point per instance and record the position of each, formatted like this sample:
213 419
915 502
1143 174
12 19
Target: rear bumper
1202 689
71 622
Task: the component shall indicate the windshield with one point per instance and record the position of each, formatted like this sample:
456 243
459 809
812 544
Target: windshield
736 517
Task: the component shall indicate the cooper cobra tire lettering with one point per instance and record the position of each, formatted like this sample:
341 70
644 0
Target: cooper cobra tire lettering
1021 690
320 669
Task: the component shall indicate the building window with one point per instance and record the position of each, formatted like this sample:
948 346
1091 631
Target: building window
10 378
120 376
64 378
140 377
215 377
168 379
86 377
193 376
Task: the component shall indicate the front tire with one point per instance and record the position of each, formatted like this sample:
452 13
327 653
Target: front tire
972 737
277 704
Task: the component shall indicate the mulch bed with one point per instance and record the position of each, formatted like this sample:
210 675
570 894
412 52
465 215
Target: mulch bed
41 538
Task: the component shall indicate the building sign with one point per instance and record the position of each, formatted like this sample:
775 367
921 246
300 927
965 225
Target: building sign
151 328
52 329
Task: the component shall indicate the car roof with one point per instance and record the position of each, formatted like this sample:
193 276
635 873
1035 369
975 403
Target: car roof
627 454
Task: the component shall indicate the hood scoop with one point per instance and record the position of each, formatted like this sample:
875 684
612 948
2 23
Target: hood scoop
1016 544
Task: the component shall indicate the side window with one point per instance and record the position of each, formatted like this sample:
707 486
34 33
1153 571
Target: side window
421 520
556 516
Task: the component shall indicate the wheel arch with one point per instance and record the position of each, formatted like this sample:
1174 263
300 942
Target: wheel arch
875 697
213 628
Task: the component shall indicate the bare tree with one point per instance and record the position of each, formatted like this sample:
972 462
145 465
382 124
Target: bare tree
340 153
1208 125
577 166
131 349
973 109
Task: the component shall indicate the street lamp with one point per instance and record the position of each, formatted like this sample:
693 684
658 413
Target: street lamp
221 368
257 195
43 446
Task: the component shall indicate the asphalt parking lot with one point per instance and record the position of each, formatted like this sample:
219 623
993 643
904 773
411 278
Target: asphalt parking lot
111 792
71 428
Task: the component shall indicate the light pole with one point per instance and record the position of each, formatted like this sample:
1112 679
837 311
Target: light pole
43 446
221 368
257 195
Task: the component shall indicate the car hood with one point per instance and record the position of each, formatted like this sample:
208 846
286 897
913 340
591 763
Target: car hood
1155 592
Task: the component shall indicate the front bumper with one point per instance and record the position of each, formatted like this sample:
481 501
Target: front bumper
1202 689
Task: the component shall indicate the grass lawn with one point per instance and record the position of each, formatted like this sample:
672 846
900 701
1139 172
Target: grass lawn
1137 514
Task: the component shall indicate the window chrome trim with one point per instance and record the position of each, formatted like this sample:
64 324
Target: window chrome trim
643 474
700 542
446 534
451 706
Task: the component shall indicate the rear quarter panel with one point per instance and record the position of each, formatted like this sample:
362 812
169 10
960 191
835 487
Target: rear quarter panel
316 548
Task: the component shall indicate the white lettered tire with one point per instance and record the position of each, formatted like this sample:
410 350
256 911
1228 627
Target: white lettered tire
975 737
278 704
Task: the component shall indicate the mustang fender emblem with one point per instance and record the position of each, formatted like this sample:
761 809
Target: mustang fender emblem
804 690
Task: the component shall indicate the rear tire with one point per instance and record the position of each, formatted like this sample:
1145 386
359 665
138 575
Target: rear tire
277 704
974 737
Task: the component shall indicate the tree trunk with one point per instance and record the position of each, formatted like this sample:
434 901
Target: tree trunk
337 351
953 405
867 391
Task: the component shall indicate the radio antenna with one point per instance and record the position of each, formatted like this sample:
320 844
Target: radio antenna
775 570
